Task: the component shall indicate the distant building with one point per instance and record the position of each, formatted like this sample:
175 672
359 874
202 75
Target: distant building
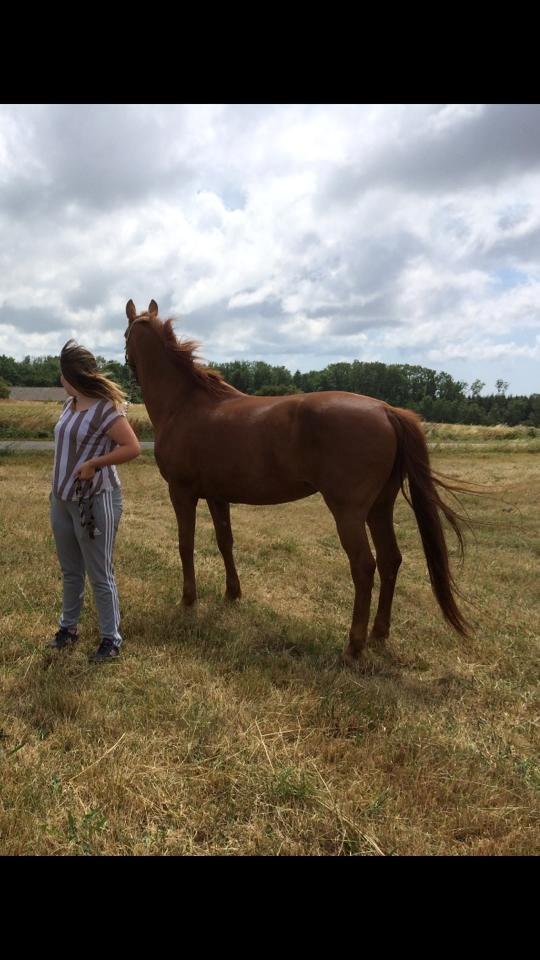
38 393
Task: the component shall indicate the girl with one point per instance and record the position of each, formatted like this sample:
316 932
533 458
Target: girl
91 436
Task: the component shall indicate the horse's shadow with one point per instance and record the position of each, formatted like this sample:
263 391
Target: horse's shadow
231 639
247 634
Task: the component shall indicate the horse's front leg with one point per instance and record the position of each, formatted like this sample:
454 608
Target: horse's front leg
185 507
221 515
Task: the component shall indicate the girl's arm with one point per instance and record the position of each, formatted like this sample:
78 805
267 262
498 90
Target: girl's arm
128 447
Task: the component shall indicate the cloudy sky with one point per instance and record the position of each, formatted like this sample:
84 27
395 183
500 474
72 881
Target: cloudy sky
298 234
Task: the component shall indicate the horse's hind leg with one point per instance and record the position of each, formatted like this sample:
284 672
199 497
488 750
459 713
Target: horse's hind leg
221 515
351 527
381 524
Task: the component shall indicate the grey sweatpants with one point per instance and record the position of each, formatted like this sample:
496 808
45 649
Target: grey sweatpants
79 555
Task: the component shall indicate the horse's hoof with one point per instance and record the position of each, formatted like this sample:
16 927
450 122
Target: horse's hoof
377 639
188 601
233 594
353 658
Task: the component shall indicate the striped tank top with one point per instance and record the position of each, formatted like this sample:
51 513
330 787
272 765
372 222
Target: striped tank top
80 435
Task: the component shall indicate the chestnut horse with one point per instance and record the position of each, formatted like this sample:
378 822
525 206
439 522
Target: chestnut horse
216 443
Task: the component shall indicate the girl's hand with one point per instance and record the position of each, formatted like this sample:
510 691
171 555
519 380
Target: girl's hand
86 472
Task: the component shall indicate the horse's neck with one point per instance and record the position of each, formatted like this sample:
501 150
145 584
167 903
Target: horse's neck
164 387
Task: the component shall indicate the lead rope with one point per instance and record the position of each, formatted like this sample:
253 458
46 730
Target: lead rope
86 508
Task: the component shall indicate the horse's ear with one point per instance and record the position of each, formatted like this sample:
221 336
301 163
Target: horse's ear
131 310
153 308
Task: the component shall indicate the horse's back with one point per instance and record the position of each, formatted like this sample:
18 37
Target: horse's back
345 437
327 440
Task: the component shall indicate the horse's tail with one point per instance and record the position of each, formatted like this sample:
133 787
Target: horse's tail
412 462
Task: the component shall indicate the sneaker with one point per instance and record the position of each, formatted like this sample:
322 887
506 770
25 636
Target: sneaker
64 638
107 650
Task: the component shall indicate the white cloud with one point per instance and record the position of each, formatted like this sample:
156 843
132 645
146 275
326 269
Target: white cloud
279 231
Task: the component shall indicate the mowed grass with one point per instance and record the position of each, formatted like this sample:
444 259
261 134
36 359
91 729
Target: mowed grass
233 728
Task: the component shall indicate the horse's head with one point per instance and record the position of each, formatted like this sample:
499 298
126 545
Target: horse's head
133 318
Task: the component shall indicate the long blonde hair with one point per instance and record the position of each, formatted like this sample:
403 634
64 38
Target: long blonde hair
80 369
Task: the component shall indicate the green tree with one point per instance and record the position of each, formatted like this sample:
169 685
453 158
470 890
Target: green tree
476 388
276 390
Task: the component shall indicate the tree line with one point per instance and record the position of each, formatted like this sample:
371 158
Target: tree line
437 396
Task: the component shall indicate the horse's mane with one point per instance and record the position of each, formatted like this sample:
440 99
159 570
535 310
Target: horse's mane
183 354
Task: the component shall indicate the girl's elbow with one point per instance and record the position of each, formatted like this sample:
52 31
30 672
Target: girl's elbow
132 451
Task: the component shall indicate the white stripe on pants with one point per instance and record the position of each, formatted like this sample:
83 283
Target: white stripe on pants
79 555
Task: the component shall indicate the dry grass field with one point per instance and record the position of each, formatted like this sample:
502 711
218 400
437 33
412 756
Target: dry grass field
234 729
